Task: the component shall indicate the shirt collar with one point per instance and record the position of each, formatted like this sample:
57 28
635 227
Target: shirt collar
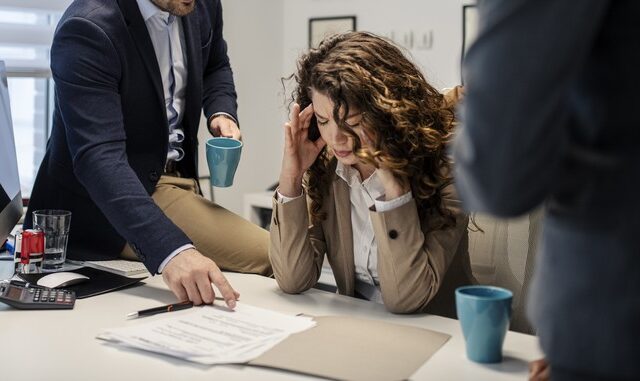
352 177
372 185
345 173
149 9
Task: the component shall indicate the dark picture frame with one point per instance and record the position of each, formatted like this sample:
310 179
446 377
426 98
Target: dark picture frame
321 27
469 30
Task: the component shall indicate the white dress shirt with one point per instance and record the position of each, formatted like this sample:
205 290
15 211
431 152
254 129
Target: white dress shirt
167 37
363 195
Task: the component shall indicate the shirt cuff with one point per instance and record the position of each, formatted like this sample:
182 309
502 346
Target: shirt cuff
223 114
284 199
173 254
385 206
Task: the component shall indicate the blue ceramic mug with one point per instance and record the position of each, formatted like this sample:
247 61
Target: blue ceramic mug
484 313
223 156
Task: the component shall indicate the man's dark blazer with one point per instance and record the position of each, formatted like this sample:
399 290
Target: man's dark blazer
109 140
551 116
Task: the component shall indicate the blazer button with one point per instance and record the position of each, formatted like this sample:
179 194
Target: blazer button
393 234
153 176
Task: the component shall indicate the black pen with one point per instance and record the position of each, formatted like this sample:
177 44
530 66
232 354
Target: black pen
158 310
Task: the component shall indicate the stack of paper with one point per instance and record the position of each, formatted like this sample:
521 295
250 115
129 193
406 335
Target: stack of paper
211 334
116 266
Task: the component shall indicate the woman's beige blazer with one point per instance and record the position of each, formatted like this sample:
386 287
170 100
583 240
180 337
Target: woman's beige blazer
418 267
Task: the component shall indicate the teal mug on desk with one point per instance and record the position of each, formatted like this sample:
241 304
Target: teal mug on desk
223 156
484 313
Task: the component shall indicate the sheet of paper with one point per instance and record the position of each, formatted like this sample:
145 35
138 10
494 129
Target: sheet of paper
211 334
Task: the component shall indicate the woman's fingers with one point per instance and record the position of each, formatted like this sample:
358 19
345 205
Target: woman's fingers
288 139
294 118
305 116
299 123
305 121
294 113
297 129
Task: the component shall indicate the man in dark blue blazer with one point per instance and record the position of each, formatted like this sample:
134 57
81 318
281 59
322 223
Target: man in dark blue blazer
551 117
131 78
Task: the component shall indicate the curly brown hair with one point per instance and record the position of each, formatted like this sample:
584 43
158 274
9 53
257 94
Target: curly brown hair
407 120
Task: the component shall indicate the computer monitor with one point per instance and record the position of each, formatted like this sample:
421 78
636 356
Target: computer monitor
10 196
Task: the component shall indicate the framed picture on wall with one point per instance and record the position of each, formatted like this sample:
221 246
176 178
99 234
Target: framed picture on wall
469 28
321 27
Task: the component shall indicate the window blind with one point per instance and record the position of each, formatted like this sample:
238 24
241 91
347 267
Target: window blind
42 5
26 32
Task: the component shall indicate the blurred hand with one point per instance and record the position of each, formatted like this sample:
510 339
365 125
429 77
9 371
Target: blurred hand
190 274
539 370
299 151
223 126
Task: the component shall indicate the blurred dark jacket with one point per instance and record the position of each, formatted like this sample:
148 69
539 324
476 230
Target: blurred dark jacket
551 116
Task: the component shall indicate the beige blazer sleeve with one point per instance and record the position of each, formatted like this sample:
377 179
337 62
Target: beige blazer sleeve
413 261
296 250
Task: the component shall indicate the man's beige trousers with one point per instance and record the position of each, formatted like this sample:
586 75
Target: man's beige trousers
234 243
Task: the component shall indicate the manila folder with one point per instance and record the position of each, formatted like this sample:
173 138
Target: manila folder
345 348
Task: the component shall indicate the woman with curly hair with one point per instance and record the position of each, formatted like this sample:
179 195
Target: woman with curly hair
373 192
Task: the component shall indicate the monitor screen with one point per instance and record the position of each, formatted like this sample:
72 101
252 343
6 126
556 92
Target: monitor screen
10 196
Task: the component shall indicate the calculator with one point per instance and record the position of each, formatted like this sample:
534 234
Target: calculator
27 297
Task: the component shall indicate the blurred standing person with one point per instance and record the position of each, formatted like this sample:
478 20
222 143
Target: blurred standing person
550 118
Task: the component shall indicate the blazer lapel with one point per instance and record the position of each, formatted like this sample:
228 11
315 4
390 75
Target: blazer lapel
345 232
140 36
193 101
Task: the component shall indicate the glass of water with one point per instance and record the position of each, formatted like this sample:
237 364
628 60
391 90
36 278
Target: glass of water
55 225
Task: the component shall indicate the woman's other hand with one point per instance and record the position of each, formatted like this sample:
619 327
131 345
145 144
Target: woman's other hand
393 188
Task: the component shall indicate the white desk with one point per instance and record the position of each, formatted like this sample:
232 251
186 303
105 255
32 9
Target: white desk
61 345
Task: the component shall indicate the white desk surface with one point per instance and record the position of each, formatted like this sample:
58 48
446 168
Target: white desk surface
61 345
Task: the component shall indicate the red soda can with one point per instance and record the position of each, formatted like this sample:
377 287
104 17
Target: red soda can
17 252
32 250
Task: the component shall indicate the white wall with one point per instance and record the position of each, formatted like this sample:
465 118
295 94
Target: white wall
266 37
253 30
396 19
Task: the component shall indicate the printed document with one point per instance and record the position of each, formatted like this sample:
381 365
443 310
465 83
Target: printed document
211 334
